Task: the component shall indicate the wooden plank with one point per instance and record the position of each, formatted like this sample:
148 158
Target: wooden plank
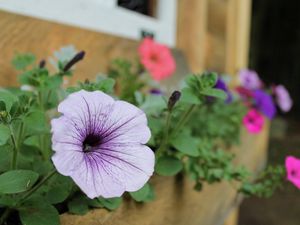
177 203
233 217
191 32
237 35
25 34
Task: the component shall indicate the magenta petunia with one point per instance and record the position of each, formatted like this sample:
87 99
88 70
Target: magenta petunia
292 166
253 121
249 79
283 98
100 143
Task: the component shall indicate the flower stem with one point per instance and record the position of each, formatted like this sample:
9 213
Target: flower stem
165 139
36 187
184 118
15 148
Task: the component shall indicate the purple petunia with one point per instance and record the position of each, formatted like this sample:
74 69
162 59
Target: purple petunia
264 103
100 143
222 86
283 98
249 79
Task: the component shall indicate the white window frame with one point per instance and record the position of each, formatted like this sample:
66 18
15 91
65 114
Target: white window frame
103 16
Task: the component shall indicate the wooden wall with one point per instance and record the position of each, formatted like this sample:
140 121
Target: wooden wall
213 34
25 34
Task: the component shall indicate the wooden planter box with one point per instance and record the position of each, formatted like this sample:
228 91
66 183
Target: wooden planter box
177 203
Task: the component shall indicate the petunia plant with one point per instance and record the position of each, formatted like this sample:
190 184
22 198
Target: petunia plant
69 149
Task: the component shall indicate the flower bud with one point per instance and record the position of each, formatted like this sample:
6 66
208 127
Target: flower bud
42 64
173 99
79 56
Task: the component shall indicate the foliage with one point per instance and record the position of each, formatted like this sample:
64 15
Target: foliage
188 130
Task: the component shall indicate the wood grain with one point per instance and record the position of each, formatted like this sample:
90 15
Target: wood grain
177 203
25 34
191 32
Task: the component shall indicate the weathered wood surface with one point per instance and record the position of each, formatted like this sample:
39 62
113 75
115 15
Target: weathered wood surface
24 34
177 203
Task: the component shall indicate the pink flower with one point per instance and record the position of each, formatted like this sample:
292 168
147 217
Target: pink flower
157 59
292 166
283 98
249 79
253 121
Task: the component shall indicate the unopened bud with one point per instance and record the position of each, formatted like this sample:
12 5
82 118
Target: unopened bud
79 56
173 99
42 64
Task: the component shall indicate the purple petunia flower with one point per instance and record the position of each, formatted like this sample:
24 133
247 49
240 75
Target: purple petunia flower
100 143
222 86
283 98
249 79
264 103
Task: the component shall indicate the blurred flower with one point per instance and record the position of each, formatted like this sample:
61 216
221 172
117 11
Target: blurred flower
63 55
157 59
292 166
100 144
283 98
264 103
223 86
249 79
156 91
253 121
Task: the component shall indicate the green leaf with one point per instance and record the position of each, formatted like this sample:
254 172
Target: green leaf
60 189
16 181
35 123
5 157
8 98
185 144
110 203
78 205
21 61
141 194
105 84
4 134
39 214
153 104
215 93
188 96
208 80
168 166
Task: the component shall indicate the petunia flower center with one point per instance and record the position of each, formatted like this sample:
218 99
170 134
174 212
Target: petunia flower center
91 141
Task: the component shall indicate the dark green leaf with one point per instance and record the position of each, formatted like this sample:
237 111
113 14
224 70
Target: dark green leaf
185 144
141 194
188 96
39 214
8 98
16 181
168 166
215 93
4 134
110 203
78 205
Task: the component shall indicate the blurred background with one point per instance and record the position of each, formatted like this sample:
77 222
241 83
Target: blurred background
274 54
220 35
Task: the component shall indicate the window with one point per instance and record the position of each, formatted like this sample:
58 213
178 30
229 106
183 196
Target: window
125 18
